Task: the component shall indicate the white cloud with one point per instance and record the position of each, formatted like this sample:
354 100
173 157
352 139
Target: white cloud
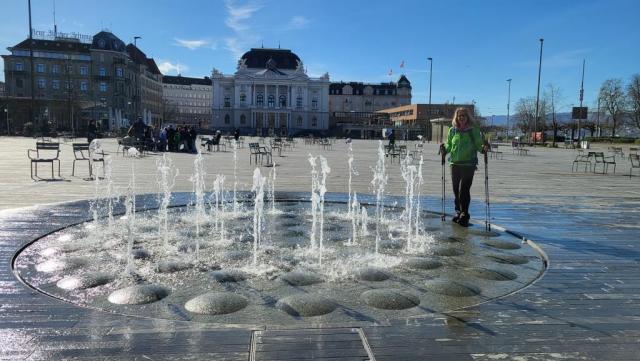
194 44
238 14
297 22
167 67
568 58
243 37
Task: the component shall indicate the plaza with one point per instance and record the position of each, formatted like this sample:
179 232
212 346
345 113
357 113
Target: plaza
584 306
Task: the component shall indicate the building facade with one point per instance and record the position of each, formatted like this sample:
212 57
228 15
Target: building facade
270 93
416 119
147 88
187 100
73 82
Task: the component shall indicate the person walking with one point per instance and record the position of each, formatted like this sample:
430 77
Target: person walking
92 131
464 141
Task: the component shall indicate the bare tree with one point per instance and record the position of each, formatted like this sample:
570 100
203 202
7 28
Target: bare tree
552 100
612 100
633 95
525 114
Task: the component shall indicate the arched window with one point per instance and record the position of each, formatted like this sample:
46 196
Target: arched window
299 121
260 100
243 119
271 101
282 101
227 119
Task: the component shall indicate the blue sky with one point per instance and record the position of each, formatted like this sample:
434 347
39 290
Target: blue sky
476 45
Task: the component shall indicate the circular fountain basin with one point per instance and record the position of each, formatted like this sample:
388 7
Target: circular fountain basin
285 279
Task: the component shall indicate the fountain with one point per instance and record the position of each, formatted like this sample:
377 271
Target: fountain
317 263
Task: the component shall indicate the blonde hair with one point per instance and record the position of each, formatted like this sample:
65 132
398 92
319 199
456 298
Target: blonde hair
465 111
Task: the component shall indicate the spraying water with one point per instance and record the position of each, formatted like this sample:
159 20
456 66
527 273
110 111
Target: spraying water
108 174
166 178
218 206
198 188
418 204
354 219
351 171
325 170
130 211
258 208
235 176
379 182
315 200
272 190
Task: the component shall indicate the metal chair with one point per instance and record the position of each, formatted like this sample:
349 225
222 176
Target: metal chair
44 153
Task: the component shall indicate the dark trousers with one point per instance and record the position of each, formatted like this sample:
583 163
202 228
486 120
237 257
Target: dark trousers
462 178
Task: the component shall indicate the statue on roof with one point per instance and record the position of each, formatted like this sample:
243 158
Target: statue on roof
299 67
242 63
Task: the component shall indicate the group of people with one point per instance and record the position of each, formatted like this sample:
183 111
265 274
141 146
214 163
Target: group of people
181 139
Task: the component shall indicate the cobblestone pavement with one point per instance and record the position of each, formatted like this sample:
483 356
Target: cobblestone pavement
586 307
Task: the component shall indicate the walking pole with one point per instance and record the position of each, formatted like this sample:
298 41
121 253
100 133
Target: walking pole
487 213
443 154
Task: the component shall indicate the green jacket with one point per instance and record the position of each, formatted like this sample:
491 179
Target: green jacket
463 147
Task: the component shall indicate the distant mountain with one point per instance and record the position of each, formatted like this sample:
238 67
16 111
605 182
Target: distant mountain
502 119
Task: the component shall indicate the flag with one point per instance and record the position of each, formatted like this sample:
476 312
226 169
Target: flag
402 64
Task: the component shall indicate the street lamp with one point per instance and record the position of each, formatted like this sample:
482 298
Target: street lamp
538 95
508 105
430 79
6 114
135 40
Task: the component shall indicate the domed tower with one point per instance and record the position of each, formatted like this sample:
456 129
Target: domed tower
264 58
105 40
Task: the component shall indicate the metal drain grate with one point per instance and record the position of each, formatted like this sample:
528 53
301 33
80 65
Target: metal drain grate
346 344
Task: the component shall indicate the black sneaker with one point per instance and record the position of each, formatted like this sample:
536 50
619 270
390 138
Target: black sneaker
464 219
456 218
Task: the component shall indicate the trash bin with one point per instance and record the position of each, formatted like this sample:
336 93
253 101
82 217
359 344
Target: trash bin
584 144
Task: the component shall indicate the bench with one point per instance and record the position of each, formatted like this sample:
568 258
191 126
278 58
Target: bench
44 153
635 162
256 151
600 159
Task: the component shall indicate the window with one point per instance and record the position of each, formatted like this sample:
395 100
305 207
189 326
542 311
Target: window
19 83
299 102
314 103
119 72
84 70
282 101
42 83
18 67
243 119
299 121
103 87
102 71
55 84
55 69
227 119
69 69
260 100
83 86
40 68
243 97
271 101
227 102
314 122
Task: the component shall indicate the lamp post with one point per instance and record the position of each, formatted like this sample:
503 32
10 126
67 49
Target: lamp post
430 80
538 95
508 105
6 114
135 40
581 98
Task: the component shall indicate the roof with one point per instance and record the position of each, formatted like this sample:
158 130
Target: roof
139 57
105 40
184 80
281 58
54 45
359 87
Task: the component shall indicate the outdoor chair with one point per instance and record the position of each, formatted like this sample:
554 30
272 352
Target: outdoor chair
635 163
581 159
82 152
494 152
600 159
634 150
256 151
325 143
617 151
44 153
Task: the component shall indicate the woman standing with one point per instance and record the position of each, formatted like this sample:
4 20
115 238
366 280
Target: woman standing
464 141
